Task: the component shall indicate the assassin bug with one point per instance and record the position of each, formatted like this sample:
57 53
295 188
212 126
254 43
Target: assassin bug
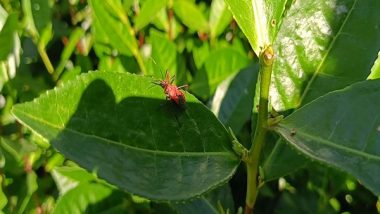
172 91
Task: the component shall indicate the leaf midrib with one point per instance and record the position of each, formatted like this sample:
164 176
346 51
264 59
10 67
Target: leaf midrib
167 153
282 127
315 74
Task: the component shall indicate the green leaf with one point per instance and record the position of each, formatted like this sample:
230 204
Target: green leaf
336 130
3 197
217 201
258 19
219 64
148 12
282 160
42 14
164 54
90 198
233 99
317 57
190 15
110 29
68 178
375 70
121 127
200 52
220 17
324 48
68 50
7 34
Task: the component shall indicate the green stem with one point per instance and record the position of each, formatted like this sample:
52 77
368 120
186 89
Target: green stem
45 59
258 141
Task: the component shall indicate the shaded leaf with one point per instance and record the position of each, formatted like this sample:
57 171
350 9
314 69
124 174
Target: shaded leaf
7 34
341 134
120 126
42 14
233 99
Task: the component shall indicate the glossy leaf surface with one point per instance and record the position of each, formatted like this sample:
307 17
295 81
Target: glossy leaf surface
315 56
123 128
324 48
345 133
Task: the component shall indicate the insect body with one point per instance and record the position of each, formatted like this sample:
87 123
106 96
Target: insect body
172 91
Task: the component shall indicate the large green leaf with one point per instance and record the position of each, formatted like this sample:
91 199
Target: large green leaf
110 29
314 56
258 19
121 127
341 129
190 15
323 48
148 12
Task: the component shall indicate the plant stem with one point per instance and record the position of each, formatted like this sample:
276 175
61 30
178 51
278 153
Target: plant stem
266 62
45 59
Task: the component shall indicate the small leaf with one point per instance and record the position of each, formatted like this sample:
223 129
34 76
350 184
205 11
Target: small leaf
190 15
219 64
121 127
90 198
148 12
68 178
258 19
341 134
220 17
7 36
375 70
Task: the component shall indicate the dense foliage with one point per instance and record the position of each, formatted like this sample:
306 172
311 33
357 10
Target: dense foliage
84 129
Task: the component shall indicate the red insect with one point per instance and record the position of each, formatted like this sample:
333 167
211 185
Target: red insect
172 91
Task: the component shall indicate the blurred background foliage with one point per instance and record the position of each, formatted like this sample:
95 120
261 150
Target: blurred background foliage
44 43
